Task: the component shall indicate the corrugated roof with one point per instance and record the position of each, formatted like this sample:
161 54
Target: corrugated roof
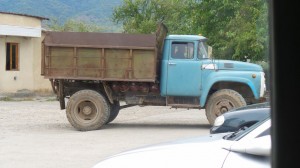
12 13
94 39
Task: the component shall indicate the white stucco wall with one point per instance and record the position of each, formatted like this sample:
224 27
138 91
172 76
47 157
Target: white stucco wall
19 20
29 74
18 25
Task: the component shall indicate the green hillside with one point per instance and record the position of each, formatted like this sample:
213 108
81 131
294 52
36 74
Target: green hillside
91 11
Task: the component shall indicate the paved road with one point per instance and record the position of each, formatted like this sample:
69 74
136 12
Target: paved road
36 134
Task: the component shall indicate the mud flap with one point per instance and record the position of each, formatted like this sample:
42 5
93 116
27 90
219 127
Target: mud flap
61 95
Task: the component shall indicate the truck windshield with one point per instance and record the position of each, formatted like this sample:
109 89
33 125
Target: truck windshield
202 50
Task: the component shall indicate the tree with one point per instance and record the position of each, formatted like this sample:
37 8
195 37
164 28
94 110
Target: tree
142 16
73 26
236 29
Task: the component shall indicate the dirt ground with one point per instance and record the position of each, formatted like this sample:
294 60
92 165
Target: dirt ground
36 134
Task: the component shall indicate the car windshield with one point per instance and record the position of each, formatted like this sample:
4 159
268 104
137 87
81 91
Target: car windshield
237 135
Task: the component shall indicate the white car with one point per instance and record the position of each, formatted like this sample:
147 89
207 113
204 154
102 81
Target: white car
248 148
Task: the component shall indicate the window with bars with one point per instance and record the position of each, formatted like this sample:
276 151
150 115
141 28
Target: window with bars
12 56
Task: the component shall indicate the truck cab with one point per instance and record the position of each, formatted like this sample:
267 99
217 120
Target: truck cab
190 78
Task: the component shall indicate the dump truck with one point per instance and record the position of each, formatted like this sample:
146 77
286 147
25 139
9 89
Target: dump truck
92 72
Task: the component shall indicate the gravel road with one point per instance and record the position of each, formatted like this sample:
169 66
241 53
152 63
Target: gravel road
36 133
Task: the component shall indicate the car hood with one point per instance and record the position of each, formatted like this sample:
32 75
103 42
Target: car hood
236 119
206 151
231 65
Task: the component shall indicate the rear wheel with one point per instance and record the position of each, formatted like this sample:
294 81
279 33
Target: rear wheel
222 101
114 111
87 110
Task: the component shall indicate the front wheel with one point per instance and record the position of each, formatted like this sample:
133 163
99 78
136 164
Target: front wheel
222 101
87 110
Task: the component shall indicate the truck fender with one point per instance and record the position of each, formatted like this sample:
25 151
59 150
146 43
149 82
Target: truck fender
210 83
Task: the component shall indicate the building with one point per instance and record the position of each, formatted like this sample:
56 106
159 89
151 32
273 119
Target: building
20 53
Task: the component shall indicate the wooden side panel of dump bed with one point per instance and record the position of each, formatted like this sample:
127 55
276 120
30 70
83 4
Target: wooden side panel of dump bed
99 56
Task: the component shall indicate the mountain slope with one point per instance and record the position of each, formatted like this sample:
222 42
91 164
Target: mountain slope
91 11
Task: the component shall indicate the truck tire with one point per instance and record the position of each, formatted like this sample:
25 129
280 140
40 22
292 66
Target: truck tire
222 101
87 110
114 111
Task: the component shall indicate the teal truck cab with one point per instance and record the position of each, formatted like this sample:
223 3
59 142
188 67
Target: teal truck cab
95 71
217 85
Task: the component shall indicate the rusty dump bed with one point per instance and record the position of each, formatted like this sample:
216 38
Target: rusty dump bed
99 56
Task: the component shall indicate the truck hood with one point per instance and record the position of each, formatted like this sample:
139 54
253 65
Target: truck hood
230 65
206 151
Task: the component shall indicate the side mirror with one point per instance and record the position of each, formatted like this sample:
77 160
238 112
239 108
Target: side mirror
259 146
209 52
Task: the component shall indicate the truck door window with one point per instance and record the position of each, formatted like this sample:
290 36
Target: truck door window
182 50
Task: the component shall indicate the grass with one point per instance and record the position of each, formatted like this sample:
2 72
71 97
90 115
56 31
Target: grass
6 99
28 99
40 95
16 99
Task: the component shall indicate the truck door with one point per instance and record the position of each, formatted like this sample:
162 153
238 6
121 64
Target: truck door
183 70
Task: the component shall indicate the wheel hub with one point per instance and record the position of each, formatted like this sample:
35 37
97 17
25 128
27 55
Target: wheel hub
222 107
87 110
